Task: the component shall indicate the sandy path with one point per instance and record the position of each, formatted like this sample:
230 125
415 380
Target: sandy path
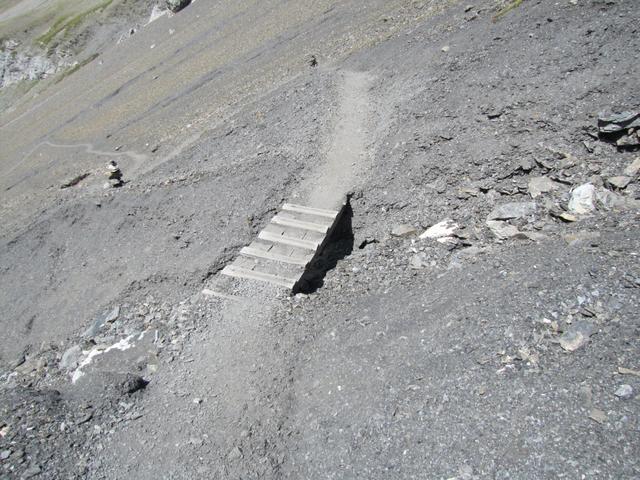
347 148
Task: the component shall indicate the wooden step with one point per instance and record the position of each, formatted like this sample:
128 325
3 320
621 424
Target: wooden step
283 250
292 222
332 214
294 232
278 248
305 217
276 257
294 242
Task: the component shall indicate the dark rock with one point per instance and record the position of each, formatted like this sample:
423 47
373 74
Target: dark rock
617 122
623 129
176 5
111 384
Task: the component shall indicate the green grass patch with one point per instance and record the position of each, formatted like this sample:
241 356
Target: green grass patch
67 23
55 29
75 68
502 12
78 19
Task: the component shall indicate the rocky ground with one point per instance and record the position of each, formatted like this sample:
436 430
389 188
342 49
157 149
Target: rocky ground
478 318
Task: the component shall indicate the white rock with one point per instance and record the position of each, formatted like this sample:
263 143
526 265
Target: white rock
445 228
624 391
582 197
156 13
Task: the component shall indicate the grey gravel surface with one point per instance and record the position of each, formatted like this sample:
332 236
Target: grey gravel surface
506 347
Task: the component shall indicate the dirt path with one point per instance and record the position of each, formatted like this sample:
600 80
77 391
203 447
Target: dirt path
137 159
347 149
209 416
89 148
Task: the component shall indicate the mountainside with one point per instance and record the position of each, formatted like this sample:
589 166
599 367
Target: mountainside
474 316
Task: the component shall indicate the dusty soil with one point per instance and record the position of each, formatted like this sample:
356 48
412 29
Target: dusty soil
506 349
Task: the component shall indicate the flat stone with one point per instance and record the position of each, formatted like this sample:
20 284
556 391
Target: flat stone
235 454
31 472
5 454
70 358
576 335
445 228
31 365
582 199
619 182
535 236
503 230
580 237
403 230
610 200
540 185
597 415
418 261
567 217
564 216
112 315
633 168
511 210
628 371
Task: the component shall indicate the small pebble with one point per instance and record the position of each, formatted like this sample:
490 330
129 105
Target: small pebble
624 392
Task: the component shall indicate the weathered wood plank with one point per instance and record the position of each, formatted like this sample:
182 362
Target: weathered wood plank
294 242
290 222
276 257
332 214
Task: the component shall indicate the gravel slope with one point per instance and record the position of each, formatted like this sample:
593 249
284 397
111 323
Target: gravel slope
508 349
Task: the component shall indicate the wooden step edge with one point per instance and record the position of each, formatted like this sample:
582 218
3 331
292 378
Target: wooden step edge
290 222
332 214
276 257
234 271
293 242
